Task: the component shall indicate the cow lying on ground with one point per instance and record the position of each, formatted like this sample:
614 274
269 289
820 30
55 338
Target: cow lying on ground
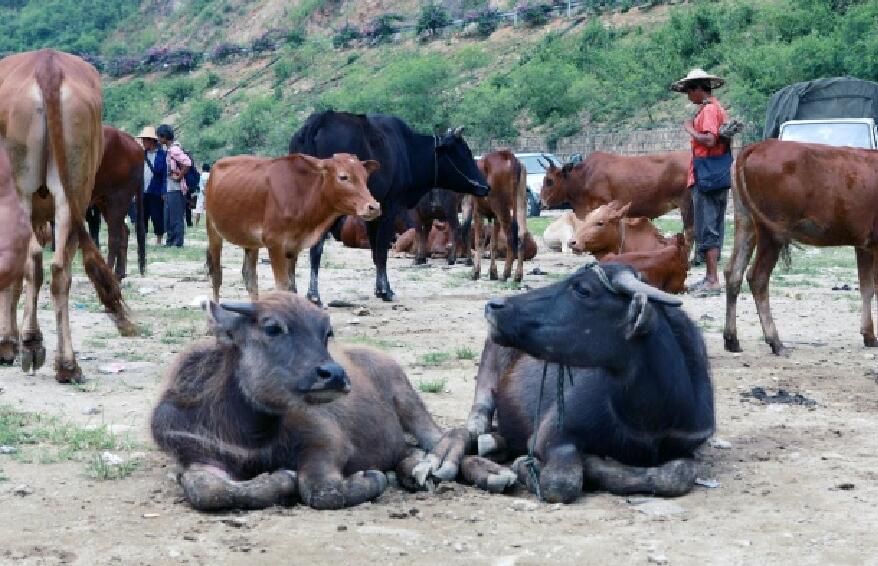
506 207
437 246
638 400
559 233
441 205
653 184
665 269
273 411
15 228
284 204
351 230
814 194
608 230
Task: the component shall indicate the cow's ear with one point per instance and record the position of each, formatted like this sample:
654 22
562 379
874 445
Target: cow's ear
312 162
371 166
641 317
222 322
622 212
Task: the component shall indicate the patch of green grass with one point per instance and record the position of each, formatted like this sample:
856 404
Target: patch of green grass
465 353
180 334
537 226
432 359
432 385
99 469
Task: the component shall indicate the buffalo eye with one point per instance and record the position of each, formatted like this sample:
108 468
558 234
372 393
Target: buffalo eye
582 290
601 223
272 328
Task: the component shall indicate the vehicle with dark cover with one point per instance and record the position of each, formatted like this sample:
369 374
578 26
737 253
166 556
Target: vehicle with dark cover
272 410
411 165
633 396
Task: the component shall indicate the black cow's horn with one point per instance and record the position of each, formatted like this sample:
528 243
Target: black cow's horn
247 309
458 131
628 283
549 159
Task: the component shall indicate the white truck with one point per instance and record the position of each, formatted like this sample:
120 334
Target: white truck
841 132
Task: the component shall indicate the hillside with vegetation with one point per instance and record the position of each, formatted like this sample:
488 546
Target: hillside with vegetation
238 76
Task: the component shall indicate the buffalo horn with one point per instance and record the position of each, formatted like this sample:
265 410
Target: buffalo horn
247 309
629 284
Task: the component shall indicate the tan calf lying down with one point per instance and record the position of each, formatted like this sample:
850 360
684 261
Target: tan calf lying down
559 233
606 230
665 268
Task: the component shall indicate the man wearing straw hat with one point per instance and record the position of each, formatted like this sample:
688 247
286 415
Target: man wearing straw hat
155 180
711 157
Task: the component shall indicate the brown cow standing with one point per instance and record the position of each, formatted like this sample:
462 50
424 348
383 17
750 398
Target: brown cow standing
608 230
814 194
653 184
283 204
15 228
665 269
50 119
118 181
506 205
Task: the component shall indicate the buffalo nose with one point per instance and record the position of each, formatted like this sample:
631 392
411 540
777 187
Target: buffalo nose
333 377
495 304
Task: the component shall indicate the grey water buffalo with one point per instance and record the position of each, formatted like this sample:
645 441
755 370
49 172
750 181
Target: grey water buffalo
628 396
272 410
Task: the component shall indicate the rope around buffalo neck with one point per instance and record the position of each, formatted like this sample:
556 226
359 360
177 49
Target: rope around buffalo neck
530 462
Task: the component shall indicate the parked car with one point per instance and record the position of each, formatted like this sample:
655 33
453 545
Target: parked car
535 174
843 132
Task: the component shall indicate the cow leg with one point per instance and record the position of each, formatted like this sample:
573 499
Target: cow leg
214 254
742 251
248 272
422 229
281 268
495 242
767 253
380 235
292 260
66 243
478 225
117 245
671 479
866 274
453 235
9 323
519 227
93 220
33 351
510 231
687 214
322 486
208 488
487 475
314 255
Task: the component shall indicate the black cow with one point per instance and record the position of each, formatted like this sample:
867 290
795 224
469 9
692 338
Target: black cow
638 399
438 204
411 165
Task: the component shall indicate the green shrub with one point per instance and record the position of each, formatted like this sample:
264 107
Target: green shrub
177 90
206 112
345 35
432 19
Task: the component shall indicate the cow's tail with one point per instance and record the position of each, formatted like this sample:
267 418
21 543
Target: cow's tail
468 205
140 226
520 189
48 77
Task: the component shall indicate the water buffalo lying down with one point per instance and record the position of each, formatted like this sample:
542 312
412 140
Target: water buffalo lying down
272 411
638 401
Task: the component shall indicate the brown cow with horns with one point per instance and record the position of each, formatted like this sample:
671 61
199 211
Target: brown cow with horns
283 204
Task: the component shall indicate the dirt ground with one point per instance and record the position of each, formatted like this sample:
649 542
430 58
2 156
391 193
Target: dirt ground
797 484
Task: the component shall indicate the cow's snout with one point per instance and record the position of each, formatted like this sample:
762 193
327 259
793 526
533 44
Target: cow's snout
371 211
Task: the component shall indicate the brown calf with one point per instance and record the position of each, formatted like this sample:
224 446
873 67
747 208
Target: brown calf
284 204
665 269
50 121
608 230
273 410
506 205
653 184
814 194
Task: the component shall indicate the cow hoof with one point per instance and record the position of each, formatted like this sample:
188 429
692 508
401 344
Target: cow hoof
67 371
501 481
477 425
386 296
380 479
315 299
8 351
732 345
779 349
420 261
33 353
492 276
870 341
327 498
476 276
487 444
468 262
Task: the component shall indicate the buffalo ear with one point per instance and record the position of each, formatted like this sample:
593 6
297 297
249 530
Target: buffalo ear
641 317
371 166
221 321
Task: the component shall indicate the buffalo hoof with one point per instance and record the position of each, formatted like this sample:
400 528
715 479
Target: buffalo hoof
67 371
477 424
8 351
672 479
385 295
501 481
870 341
327 498
492 276
732 345
207 490
33 353
778 349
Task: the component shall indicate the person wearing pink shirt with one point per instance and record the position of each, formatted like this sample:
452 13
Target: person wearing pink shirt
175 199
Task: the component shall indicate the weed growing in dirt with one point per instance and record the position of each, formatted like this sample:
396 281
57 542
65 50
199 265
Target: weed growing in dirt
433 359
432 385
99 469
379 343
465 353
537 226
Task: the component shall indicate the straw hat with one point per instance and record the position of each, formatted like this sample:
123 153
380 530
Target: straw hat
697 75
148 132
